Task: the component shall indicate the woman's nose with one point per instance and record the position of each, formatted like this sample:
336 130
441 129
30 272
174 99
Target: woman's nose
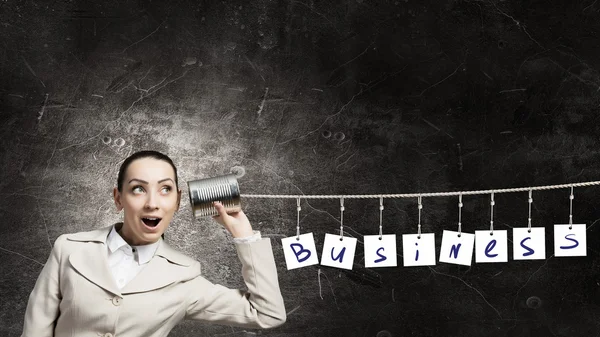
151 201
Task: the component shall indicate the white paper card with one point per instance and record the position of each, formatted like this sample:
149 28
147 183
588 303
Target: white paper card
300 251
380 253
338 253
418 252
570 242
455 249
491 248
529 245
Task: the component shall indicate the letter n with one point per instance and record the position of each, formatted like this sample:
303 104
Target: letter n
454 250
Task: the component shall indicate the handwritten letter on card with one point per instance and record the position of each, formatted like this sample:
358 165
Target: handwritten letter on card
491 246
300 251
418 251
529 244
457 249
570 242
380 253
338 253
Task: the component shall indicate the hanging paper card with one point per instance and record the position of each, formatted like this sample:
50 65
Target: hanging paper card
300 251
338 253
418 251
570 242
457 249
380 253
529 244
491 248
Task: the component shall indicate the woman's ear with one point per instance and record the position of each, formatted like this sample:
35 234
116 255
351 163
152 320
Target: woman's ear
117 198
178 199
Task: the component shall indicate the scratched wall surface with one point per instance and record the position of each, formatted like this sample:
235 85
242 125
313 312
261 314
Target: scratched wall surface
304 97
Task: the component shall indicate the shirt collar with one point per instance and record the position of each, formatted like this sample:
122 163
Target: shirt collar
145 252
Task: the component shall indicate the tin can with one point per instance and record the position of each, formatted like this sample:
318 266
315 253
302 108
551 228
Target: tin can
204 192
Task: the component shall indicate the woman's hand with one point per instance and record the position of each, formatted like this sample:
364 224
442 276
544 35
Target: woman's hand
236 223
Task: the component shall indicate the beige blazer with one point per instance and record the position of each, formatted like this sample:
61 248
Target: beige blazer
76 295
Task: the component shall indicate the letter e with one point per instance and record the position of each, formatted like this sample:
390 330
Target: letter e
489 248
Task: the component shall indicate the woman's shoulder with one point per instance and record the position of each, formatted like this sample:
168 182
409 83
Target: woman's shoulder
97 235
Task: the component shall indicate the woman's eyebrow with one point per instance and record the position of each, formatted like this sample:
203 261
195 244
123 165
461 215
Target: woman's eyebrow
145 182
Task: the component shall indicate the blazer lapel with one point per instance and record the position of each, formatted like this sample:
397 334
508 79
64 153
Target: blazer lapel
91 261
166 267
156 274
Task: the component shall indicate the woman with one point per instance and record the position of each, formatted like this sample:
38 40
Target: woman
124 280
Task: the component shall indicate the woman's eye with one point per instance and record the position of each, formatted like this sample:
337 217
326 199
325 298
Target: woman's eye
166 189
137 190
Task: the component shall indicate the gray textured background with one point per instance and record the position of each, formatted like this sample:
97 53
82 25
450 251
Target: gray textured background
346 97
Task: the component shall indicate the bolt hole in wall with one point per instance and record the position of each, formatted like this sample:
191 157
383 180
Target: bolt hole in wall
238 171
339 136
534 302
384 333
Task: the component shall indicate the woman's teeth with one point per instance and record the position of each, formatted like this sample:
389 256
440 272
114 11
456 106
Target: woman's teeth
151 222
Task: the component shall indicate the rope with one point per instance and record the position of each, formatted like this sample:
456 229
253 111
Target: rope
414 195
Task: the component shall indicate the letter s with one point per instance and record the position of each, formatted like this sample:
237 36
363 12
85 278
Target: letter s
529 250
568 238
382 257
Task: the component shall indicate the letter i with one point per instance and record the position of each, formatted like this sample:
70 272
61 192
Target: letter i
417 253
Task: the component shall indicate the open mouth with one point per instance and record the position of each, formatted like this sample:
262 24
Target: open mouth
151 222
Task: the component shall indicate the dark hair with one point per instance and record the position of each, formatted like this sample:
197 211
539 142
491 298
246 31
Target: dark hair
139 155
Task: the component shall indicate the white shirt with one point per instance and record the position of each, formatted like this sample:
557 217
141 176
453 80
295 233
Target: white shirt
125 261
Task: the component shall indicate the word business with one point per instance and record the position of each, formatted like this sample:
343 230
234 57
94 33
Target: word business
528 243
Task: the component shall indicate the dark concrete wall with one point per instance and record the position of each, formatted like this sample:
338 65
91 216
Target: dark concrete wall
305 97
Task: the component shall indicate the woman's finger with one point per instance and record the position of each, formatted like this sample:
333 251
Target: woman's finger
220 208
236 223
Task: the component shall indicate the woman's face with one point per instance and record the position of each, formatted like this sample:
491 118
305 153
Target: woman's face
149 199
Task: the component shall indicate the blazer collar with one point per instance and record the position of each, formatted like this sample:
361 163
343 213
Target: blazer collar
91 260
167 266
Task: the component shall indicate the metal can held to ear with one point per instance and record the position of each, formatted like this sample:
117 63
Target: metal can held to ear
204 192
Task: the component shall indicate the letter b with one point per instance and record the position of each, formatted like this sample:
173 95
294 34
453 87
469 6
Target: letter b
300 251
